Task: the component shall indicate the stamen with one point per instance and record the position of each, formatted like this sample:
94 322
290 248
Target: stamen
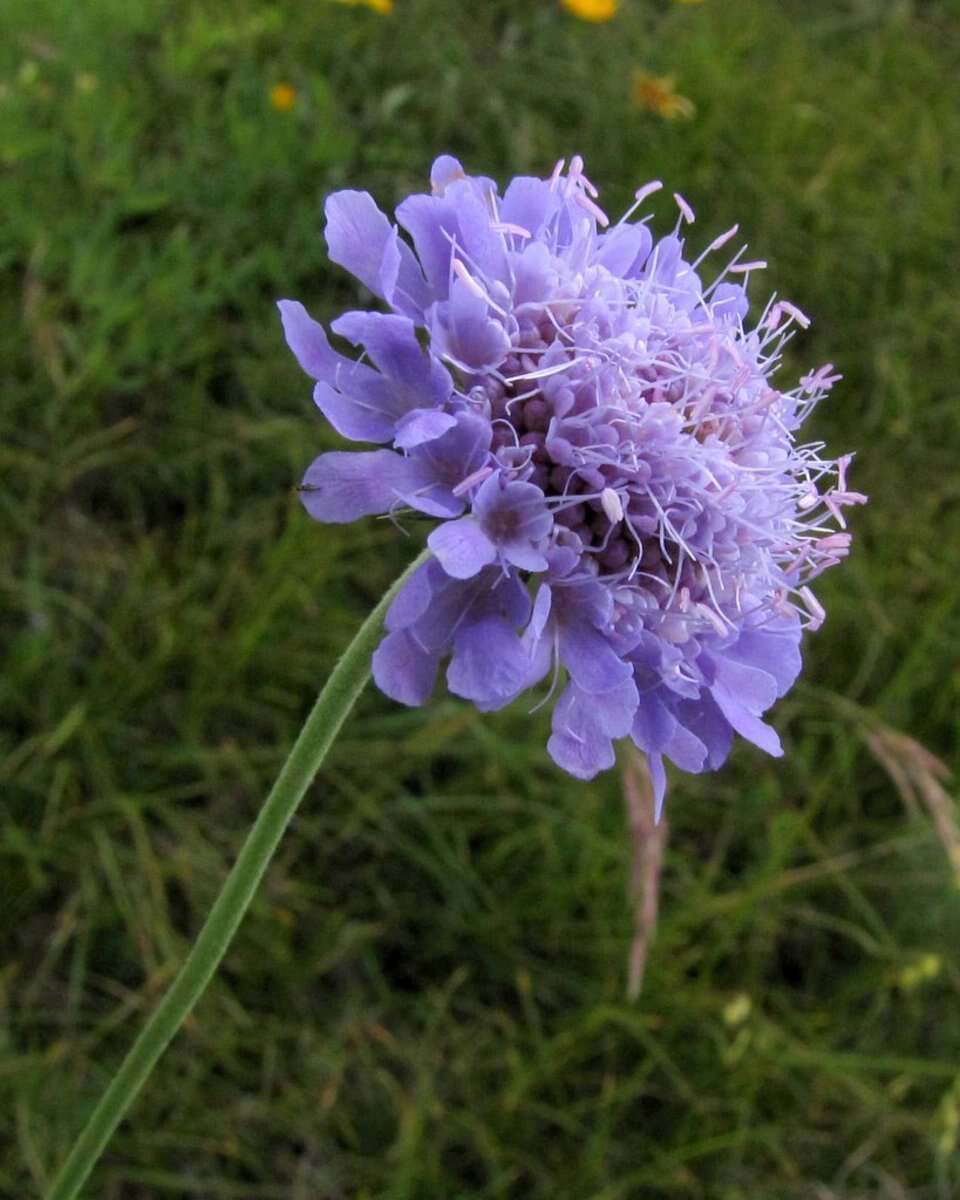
813 606
472 480
544 372
791 310
821 378
772 320
460 270
612 505
714 618
593 209
843 462
648 189
508 227
836 543
688 214
722 239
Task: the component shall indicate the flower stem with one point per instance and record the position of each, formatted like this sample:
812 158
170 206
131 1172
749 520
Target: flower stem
321 727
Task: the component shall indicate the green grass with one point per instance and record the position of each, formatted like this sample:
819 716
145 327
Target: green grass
427 1000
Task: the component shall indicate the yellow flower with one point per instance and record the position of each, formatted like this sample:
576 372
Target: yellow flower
924 969
736 1011
380 6
656 94
283 97
592 10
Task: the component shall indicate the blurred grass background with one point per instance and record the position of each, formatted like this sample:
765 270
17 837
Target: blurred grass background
428 997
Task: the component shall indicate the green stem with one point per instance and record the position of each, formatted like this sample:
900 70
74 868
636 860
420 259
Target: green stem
322 725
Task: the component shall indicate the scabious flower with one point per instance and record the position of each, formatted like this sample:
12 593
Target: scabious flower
623 514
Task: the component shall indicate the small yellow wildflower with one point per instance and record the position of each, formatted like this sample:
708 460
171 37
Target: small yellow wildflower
924 969
283 97
380 6
736 1011
592 10
656 94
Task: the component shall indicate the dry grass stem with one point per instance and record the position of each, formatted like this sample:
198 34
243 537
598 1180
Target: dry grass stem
917 775
648 839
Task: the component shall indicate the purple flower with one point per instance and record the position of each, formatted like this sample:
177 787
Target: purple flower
624 509
510 522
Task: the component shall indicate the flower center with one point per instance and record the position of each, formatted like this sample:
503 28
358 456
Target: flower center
576 480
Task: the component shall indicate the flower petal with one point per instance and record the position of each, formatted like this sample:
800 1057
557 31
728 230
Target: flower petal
403 670
653 724
529 202
523 555
624 250
754 689
411 602
432 223
391 343
422 425
658 778
463 331
746 723
488 662
774 651
592 662
707 723
583 725
341 486
686 750
461 547
308 341
363 414
357 234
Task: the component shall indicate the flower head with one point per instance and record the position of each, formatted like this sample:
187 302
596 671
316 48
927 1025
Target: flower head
380 6
592 10
623 512
656 93
283 97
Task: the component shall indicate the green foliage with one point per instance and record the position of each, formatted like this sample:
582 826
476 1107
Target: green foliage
427 999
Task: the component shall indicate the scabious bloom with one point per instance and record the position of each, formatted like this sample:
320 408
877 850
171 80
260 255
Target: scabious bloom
624 517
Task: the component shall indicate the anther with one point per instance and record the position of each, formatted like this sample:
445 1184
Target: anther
612 505
688 214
